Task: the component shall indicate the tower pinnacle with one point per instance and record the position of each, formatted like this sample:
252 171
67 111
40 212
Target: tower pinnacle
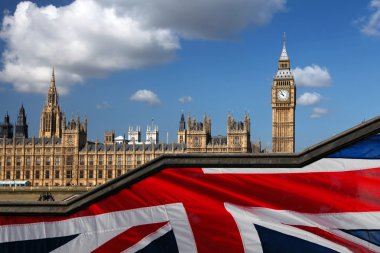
284 55
52 82
52 94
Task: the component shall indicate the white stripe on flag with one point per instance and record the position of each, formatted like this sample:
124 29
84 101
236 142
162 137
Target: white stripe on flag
323 165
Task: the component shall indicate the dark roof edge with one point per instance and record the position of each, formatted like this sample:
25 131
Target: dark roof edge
273 160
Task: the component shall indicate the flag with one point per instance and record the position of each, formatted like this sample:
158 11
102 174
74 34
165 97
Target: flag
329 205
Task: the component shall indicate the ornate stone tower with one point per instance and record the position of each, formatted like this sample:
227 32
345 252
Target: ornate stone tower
74 133
21 125
182 130
6 128
152 134
134 134
283 106
198 134
51 116
239 134
109 137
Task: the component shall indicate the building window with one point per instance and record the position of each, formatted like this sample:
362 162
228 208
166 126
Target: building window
47 161
8 174
147 157
81 160
28 161
90 160
38 160
47 174
18 174
118 173
69 174
57 161
109 173
100 173
129 160
91 174
27 174
119 160
100 160
37 174
196 141
81 174
9 161
18 161
69 160
236 140
138 159
109 160
56 174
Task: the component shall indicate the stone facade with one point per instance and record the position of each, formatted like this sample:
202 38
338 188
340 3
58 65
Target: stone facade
197 138
63 156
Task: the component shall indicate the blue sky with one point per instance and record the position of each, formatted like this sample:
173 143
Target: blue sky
124 63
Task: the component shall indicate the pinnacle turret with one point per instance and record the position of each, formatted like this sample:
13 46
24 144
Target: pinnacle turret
284 55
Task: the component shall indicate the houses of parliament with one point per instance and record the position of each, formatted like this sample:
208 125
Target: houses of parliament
62 155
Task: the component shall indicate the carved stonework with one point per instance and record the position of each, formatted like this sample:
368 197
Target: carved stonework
283 106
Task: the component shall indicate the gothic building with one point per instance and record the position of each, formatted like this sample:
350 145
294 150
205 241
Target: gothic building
51 115
62 154
283 106
197 138
21 125
6 128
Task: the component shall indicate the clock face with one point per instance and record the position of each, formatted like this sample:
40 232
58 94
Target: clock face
282 95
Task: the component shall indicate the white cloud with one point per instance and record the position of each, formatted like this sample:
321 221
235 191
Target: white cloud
318 112
103 105
89 38
372 23
312 76
309 98
146 96
185 99
211 19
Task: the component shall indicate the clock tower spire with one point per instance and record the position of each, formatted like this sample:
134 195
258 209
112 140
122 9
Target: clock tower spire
283 106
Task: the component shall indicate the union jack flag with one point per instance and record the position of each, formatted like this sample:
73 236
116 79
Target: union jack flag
330 205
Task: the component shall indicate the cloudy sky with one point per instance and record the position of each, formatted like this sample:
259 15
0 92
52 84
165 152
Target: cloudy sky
128 62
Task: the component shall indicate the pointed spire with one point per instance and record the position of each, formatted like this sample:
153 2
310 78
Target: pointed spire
52 82
182 124
284 55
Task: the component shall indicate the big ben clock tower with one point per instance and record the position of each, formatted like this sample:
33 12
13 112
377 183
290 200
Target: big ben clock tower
283 106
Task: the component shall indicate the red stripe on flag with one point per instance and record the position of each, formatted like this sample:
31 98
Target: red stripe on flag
128 238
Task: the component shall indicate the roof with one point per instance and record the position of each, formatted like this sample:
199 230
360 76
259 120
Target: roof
284 55
283 74
91 146
303 158
29 141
